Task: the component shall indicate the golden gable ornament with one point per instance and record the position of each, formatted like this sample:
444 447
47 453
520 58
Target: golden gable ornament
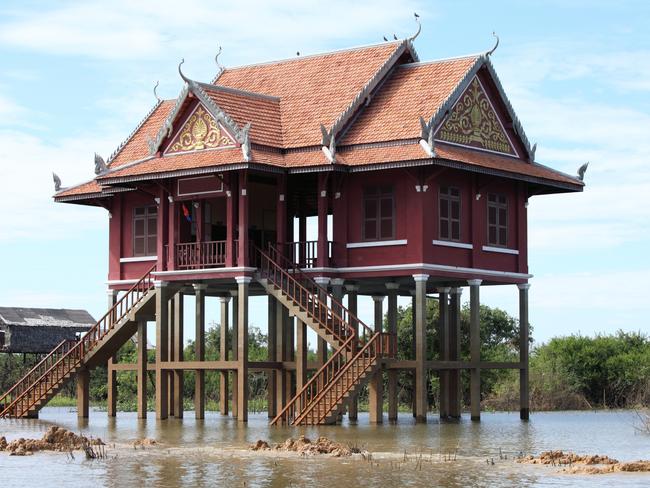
200 131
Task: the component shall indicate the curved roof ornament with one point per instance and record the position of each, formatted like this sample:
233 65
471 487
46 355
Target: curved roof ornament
216 59
417 19
155 92
180 72
489 53
57 182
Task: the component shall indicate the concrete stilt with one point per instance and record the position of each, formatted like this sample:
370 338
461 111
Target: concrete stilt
234 397
353 408
281 320
142 370
413 353
223 355
376 385
199 348
111 400
454 354
475 349
524 405
162 349
301 355
178 355
391 316
242 348
271 390
421 403
171 354
321 344
83 393
443 335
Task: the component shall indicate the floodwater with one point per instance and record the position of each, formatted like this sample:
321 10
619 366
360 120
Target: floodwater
214 452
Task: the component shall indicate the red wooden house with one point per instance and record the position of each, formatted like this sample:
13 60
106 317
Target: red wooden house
423 171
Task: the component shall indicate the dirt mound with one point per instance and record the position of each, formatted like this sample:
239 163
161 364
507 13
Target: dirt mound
560 458
55 439
589 464
305 447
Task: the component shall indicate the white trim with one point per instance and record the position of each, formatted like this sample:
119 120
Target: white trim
121 282
461 245
398 242
502 250
203 271
138 259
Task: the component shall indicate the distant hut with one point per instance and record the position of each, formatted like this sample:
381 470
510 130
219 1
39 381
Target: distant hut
39 330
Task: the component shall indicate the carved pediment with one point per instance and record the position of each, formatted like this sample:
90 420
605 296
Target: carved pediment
200 131
473 122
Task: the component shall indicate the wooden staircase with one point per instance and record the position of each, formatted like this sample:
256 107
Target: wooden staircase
355 360
45 380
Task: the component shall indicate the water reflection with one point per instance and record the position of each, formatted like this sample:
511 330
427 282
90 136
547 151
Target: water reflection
212 452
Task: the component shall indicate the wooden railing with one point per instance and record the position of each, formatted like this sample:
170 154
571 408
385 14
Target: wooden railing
305 253
197 255
68 355
380 345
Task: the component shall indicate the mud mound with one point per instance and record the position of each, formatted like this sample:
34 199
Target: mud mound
305 447
590 464
55 439
559 458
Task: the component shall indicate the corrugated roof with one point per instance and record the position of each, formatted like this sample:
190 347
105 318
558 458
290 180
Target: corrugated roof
44 317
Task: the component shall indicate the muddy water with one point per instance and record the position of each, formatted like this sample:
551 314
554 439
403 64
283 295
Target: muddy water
213 452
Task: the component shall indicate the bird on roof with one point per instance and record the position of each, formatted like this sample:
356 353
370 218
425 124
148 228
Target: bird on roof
394 37
582 170
297 53
385 39
415 14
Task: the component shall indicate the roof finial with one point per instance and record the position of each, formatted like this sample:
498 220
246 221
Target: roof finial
582 170
180 72
57 182
417 19
495 46
216 59
155 93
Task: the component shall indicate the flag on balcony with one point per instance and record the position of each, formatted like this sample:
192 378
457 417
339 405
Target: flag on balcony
187 214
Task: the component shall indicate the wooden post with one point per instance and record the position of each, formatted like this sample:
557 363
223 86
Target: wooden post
321 344
178 355
83 393
281 320
271 375
353 409
142 370
223 355
454 353
301 355
323 208
162 349
199 348
243 258
475 348
376 385
171 329
524 406
421 403
242 348
111 399
392 329
233 351
231 220
443 335
413 352
281 214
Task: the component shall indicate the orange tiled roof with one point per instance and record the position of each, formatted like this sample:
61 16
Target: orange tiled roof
136 147
313 90
88 188
414 90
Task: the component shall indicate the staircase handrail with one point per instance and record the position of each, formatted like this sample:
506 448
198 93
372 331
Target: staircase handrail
341 372
93 336
295 269
322 372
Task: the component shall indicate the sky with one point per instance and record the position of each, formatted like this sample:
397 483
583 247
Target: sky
76 78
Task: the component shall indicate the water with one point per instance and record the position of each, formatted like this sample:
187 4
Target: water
214 452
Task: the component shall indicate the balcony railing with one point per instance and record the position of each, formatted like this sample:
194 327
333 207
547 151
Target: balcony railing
305 253
198 255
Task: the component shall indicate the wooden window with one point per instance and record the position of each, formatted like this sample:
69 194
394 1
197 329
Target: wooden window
449 213
497 206
378 213
145 227
2 338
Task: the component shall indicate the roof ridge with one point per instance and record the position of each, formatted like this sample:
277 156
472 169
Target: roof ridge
117 151
316 55
441 60
237 91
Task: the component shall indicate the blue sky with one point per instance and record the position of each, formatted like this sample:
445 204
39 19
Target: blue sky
76 77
